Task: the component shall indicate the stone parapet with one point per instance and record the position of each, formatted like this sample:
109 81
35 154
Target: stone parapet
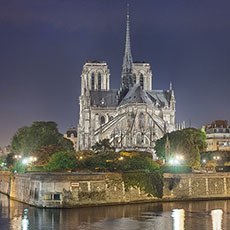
67 190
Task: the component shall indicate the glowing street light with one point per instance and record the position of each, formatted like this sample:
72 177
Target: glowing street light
28 160
177 160
17 157
25 161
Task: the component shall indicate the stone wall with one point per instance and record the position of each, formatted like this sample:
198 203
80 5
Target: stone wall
90 189
196 186
5 182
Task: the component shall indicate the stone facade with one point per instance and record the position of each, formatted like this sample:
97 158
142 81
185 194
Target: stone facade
92 189
71 134
132 117
218 136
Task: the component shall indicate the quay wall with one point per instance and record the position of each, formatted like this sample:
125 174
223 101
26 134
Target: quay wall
66 190
5 182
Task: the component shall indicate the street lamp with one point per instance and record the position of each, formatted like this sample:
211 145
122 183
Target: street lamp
17 157
177 160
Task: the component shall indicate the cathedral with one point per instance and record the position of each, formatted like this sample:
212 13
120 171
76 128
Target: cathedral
132 117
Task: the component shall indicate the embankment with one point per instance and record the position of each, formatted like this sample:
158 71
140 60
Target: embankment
66 190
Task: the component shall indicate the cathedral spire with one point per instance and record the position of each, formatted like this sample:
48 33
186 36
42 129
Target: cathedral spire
127 77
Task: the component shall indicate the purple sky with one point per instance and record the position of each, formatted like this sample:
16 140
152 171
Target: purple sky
44 44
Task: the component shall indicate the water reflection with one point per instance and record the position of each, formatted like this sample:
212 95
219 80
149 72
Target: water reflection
178 219
25 221
217 219
156 216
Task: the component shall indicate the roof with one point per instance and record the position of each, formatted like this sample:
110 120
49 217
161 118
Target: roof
136 94
160 96
103 98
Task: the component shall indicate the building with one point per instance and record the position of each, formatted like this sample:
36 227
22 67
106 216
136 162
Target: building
218 136
71 134
4 150
134 116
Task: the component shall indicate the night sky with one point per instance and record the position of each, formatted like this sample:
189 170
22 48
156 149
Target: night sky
45 43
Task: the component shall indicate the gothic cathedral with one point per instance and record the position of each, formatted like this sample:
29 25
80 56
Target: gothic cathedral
132 117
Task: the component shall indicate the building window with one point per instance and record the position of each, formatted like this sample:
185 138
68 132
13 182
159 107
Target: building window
134 78
48 197
99 81
141 121
36 194
92 81
138 140
57 197
146 141
142 81
102 120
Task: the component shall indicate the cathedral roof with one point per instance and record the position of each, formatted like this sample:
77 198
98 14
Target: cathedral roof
136 95
103 98
161 97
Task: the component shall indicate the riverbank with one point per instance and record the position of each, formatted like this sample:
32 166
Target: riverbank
67 190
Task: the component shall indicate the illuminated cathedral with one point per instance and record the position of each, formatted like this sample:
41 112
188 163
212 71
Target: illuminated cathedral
132 117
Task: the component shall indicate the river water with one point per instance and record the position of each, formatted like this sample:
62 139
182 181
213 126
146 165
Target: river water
196 215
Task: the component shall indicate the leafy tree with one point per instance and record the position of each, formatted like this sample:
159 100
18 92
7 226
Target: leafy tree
188 142
44 153
28 140
102 146
18 167
106 161
10 159
62 161
3 163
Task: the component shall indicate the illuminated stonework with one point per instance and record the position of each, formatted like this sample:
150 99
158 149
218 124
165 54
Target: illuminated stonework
134 116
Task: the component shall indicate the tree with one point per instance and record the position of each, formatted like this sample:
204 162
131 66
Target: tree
61 161
10 160
28 140
18 167
102 146
188 142
44 153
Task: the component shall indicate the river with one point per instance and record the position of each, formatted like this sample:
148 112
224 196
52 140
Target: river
196 215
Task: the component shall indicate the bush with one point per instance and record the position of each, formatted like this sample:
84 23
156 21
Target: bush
62 161
151 182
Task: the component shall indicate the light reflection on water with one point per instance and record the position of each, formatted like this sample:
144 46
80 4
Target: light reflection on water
178 216
214 215
217 219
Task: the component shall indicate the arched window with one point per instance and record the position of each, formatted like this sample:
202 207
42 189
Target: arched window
138 139
146 141
142 81
92 81
102 120
134 78
99 81
141 121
